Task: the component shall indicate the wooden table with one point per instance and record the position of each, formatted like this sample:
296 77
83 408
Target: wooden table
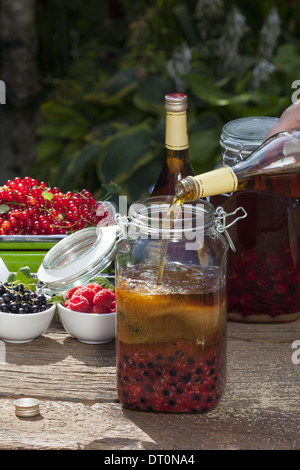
80 409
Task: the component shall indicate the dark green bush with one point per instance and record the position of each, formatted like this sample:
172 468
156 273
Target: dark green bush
103 118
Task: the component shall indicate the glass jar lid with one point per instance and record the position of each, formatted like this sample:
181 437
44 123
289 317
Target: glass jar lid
149 217
241 137
78 257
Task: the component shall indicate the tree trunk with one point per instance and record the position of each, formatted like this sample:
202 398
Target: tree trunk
19 116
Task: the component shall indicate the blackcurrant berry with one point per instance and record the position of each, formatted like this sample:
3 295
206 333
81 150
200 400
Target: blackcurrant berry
26 296
6 297
19 288
16 297
41 299
26 307
13 307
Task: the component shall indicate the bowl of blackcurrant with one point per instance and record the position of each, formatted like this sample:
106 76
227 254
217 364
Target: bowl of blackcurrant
24 313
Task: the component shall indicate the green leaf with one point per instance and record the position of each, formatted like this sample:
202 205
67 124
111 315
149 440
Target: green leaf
125 153
204 146
150 94
186 23
117 88
4 208
47 195
23 276
47 149
204 88
74 164
103 281
57 299
57 113
112 188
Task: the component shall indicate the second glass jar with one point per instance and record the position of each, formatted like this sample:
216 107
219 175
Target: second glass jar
264 272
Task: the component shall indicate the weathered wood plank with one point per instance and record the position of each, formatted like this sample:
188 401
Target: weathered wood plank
80 408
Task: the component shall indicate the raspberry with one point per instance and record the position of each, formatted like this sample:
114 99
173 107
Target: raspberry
88 294
71 291
105 297
79 304
96 287
99 309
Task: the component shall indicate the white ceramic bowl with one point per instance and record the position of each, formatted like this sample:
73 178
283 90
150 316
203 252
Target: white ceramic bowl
90 328
22 328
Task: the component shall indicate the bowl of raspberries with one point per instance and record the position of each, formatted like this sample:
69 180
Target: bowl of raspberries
88 313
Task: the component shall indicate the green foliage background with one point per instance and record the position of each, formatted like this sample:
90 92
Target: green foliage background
105 71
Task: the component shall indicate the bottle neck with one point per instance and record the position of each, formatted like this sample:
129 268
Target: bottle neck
221 180
176 136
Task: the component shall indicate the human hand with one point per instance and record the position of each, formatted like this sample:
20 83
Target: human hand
290 119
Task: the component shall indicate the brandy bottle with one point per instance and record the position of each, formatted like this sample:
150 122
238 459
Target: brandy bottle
273 168
176 163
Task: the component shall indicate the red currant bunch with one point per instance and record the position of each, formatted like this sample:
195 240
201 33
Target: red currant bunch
29 207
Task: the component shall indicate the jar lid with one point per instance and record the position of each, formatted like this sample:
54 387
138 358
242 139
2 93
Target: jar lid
147 217
243 136
78 257
27 407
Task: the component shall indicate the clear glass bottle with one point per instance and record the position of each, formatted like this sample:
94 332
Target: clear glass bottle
176 163
171 336
264 271
273 168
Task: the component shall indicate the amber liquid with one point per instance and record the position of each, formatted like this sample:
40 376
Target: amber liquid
176 166
171 339
284 184
172 214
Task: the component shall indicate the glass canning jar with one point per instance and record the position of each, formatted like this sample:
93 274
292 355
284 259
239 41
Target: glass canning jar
170 323
264 271
171 336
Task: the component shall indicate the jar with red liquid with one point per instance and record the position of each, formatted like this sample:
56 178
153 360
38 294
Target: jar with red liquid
171 334
264 271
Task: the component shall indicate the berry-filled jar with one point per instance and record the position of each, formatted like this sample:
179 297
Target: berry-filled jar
170 287
171 329
264 271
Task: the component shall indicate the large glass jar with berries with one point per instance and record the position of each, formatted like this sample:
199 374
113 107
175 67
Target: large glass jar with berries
264 271
171 308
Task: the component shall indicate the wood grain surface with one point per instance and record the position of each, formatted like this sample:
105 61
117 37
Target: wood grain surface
80 409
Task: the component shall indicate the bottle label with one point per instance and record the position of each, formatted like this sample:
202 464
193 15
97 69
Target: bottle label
222 180
176 131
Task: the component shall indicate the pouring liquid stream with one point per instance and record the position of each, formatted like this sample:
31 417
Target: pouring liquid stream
172 215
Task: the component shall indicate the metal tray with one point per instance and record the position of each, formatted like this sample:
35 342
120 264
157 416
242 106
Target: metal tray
29 242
